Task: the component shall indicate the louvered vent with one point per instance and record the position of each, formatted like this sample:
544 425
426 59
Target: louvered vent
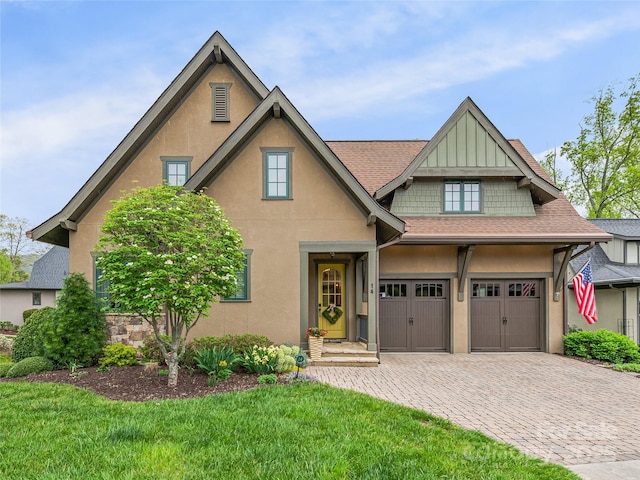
220 93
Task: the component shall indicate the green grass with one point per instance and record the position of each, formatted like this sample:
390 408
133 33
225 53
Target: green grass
307 431
627 367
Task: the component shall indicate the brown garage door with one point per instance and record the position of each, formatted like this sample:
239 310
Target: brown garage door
505 316
414 316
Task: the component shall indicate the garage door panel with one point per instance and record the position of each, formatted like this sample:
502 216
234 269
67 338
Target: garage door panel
486 325
505 316
430 332
393 326
523 325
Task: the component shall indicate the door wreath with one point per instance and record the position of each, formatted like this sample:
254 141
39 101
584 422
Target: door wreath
332 314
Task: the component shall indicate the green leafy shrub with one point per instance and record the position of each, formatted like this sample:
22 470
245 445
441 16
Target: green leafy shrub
4 368
118 355
29 341
77 331
260 360
26 315
268 379
627 367
239 343
216 361
29 365
286 358
602 345
5 358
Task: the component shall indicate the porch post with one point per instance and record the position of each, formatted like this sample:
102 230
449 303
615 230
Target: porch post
372 300
304 297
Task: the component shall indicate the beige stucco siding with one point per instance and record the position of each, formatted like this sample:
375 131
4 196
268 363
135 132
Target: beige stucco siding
188 132
319 211
516 261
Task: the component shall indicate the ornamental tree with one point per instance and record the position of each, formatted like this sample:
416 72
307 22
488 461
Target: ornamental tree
168 250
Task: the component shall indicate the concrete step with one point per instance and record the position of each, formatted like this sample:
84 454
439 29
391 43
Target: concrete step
346 349
348 361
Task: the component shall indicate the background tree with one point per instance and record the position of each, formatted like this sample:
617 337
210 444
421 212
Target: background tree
14 243
605 158
6 268
168 249
550 164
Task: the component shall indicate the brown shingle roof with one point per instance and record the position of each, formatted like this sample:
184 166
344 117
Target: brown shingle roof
376 163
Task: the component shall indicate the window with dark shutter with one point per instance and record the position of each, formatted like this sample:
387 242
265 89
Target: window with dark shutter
220 102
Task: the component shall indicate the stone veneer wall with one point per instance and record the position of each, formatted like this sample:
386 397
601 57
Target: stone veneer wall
129 329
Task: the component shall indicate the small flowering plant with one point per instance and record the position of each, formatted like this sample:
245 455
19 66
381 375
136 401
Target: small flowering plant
315 332
260 360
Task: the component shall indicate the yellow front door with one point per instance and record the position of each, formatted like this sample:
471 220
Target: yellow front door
332 309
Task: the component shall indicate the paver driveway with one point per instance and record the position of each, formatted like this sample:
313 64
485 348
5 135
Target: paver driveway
555 408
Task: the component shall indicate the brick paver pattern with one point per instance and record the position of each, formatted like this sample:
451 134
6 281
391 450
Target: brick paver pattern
552 407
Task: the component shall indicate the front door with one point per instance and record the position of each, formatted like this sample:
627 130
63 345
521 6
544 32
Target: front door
332 310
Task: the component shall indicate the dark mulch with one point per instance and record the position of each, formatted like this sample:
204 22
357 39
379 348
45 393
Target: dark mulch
139 384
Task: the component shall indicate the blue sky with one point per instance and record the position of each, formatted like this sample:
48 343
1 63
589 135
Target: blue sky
76 76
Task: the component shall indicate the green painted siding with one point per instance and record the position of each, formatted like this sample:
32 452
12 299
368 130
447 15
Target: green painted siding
467 144
499 198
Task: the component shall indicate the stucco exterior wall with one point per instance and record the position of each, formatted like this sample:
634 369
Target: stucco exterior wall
189 132
503 262
319 211
14 302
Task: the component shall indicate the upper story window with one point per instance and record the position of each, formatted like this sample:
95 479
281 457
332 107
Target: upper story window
277 173
220 102
36 298
176 170
462 196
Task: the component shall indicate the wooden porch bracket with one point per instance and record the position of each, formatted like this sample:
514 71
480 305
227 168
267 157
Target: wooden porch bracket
68 224
276 109
561 257
525 183
464 258
408 183
371 219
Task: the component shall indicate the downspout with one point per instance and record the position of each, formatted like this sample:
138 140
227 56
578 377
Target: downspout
377 289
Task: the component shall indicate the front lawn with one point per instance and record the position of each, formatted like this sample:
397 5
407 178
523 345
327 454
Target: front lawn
314 431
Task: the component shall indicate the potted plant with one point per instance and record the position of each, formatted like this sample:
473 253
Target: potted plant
316 338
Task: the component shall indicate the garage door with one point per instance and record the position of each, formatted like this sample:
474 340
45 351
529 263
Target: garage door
414 316
505 316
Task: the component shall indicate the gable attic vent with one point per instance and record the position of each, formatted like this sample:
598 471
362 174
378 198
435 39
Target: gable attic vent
220 102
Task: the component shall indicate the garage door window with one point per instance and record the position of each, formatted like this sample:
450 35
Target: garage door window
434 290
525 289
393 290
486 290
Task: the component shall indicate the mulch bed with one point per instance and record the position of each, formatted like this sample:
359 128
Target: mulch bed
138 384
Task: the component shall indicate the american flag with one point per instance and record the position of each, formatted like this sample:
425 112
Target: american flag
585 296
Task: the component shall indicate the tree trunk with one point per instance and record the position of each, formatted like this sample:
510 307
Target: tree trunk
173 370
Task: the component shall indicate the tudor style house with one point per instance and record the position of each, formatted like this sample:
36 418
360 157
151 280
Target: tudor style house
458 244
615 267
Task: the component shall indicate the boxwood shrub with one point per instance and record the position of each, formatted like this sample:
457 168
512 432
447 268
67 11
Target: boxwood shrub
29 341
118 355
602 345
29 365
4 368
239 343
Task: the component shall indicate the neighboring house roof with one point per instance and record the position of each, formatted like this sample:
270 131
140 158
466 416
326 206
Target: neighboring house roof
48 272
216 50
626 228
605 272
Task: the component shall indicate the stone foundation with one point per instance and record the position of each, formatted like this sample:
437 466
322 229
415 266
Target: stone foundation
129 329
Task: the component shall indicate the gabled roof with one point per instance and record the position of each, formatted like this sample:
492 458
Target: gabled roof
48 272
606 273
376 163
543 191
276 103
215 50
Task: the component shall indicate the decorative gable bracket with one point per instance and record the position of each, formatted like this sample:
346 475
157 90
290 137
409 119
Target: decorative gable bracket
561 257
